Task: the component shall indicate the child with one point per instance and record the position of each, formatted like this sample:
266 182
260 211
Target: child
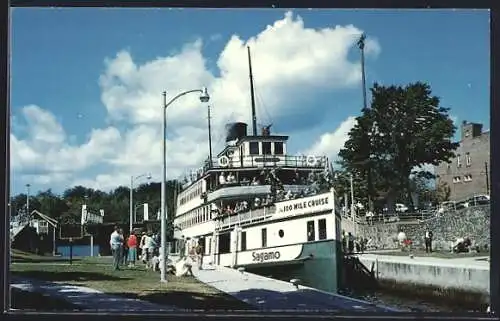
155 260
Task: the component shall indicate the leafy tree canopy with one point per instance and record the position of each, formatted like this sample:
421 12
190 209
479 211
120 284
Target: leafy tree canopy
405 128
67 207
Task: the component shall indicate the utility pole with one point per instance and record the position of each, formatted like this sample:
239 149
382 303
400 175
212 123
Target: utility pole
353 215
486 173
361 46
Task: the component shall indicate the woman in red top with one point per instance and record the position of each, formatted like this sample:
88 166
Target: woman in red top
132 249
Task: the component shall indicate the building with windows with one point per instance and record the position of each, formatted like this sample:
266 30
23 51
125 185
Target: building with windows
468 173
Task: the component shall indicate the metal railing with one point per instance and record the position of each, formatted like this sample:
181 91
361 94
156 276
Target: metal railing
18 223
256 161
408 217
247 217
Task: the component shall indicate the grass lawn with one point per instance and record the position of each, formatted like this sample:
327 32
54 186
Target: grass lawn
137 283
437 254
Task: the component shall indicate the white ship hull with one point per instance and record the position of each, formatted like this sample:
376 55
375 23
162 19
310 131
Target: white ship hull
301 234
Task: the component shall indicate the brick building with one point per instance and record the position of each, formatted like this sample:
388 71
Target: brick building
468 173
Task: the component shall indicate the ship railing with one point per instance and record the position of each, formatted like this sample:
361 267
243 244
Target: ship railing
262 161
257 161
249 216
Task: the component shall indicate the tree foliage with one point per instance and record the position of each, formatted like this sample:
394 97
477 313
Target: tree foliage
405 128
67 207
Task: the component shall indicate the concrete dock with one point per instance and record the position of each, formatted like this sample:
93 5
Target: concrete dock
462 273
271 295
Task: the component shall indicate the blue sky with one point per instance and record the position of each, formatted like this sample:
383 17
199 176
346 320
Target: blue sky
58 56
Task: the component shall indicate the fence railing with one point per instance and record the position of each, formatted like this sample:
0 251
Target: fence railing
407 217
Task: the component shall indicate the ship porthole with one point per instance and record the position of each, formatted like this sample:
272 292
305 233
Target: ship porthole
281 233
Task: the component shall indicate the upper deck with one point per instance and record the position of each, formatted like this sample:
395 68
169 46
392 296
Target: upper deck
247 164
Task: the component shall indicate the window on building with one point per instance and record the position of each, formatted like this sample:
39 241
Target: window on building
254 148
243 241
278 148
266 148
459 164
467 160
310 231
264 237
322 229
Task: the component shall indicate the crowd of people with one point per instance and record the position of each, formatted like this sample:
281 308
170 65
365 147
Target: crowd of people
316 183
128 250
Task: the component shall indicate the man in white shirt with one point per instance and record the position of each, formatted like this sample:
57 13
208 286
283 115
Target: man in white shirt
148 248
116 244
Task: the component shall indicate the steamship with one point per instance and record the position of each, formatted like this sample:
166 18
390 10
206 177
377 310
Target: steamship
255 206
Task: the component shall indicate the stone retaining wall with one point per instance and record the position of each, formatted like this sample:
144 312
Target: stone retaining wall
471 222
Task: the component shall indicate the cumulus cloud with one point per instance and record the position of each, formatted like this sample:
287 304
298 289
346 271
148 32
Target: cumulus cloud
329 144
291 64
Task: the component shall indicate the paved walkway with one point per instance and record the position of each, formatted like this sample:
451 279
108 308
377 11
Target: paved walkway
269 294
86 298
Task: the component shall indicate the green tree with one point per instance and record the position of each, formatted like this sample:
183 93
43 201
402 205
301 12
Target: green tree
405 128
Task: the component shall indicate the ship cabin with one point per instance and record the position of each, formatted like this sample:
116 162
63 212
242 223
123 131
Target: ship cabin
249 175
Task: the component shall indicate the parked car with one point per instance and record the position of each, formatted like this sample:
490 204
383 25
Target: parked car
446 206
478 200
401 208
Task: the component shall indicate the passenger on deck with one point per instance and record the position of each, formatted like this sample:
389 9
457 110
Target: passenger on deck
297 180
231 178
222 179
269 200
288 195
255 181
257 202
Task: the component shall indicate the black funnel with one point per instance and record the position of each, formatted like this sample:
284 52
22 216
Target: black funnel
235 131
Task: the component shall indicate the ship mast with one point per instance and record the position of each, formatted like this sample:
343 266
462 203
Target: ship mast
252 96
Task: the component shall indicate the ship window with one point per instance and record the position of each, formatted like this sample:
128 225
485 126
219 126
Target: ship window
266 148
310 231
254 148
224 243
278 148
264 237
281 233
243 241
322 229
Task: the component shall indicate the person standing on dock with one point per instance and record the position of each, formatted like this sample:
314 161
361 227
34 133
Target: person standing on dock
344 242
428 241
350 244
199 254
182 247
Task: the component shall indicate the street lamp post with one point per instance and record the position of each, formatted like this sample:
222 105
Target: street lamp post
131 198
204 98
28 200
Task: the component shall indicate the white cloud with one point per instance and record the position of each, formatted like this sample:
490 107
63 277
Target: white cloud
329 144
291 63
